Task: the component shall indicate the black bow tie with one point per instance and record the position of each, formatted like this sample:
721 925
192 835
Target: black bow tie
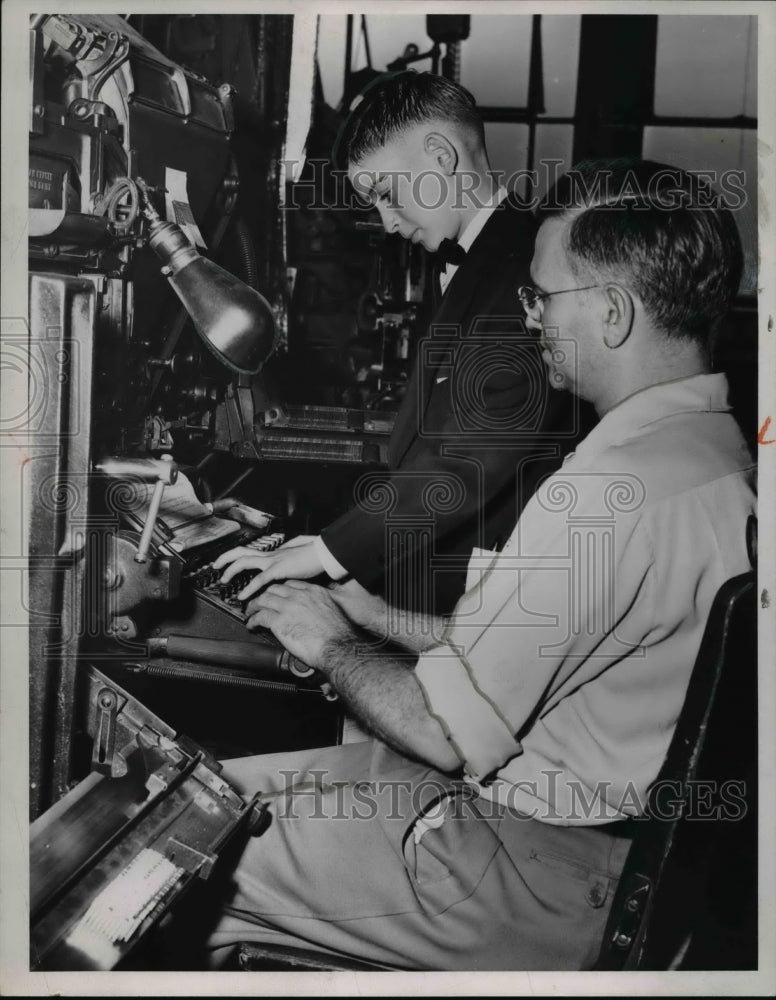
450 252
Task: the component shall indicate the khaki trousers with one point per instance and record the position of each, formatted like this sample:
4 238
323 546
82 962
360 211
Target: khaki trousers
345 868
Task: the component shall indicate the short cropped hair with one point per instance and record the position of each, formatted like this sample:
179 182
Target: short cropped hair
660 230
397 101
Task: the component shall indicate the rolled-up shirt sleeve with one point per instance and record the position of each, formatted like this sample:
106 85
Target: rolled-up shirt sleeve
471 722
563 601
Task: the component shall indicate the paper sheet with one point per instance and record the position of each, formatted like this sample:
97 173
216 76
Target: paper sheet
189 520
177 205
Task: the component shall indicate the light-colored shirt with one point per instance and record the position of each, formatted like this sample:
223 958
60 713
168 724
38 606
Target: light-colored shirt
470 234
565 665
331 566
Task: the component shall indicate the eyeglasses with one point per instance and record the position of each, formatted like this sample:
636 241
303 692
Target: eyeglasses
531 297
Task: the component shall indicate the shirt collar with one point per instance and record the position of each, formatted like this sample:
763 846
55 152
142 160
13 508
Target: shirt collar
477 223
693 394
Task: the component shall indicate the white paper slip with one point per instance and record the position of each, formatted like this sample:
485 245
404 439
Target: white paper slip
183 514
200 532
118 911
177 205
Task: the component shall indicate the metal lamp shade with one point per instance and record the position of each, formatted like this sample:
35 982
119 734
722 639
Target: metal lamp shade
233 319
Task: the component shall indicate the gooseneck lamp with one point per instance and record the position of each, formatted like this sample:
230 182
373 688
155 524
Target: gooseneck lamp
234 320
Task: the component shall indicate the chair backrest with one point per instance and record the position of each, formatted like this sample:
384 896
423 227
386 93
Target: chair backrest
701 806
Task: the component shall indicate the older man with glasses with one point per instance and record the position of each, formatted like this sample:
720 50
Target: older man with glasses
487 825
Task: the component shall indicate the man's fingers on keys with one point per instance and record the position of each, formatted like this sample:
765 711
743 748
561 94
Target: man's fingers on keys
273 601
264 618
270 573
262 603
231 555
253 561
275 597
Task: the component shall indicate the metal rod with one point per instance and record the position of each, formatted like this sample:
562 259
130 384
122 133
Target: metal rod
435 54
227 491
348 55
367 48
535 86
150 523
526 116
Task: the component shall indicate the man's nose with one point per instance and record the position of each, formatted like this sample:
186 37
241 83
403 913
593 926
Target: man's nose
389 219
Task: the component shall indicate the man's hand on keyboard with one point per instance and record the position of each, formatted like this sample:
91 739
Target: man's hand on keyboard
304 618
365 609
296 560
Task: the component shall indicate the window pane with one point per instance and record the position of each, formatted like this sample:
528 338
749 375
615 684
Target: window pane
495 59
703 64
507 149
718 150
389 34
750 91
560 52
553 143
331 56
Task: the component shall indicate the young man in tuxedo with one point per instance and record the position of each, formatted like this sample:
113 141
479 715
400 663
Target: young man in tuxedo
478 427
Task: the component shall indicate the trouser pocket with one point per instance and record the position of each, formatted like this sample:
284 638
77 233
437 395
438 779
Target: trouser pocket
595 885
446 862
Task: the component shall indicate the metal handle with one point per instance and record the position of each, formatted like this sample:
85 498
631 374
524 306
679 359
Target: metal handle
160 471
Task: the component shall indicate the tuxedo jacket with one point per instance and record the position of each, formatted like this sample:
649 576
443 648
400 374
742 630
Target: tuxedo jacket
477 430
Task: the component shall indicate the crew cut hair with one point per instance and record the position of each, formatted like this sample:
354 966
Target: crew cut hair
660 230
398 101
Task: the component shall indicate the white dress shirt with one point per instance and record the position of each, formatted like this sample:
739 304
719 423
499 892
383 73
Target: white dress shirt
470 234
565 665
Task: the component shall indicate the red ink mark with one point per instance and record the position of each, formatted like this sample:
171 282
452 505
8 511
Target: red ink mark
763 432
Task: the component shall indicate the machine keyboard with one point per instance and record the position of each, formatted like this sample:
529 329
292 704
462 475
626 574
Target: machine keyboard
207 579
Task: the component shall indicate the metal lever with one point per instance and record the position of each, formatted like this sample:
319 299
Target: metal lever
104 752
161 472
153 512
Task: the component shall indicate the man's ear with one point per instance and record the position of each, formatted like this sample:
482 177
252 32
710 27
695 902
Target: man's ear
443 152
618 315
